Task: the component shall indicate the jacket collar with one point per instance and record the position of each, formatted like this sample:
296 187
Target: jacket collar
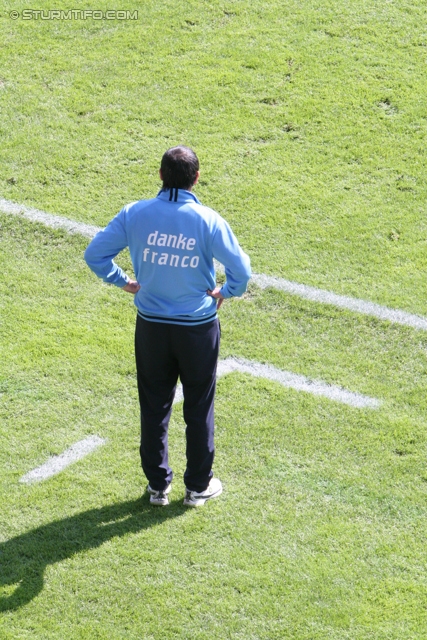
177 195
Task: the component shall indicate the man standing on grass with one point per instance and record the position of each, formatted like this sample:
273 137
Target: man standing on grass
173 240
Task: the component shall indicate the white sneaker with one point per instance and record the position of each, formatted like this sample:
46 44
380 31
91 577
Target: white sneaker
159 498
194 499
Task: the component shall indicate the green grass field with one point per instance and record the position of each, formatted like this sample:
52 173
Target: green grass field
309 121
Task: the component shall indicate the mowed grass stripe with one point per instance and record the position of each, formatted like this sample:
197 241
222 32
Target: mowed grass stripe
358 305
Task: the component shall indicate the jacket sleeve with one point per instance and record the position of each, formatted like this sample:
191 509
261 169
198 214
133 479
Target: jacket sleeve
228 252
104 247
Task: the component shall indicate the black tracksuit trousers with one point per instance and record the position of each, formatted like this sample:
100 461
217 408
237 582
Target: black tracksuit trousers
163 353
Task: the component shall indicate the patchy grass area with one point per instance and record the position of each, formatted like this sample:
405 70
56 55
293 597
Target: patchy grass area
321 526
309 122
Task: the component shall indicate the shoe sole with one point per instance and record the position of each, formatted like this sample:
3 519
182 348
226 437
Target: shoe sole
159 504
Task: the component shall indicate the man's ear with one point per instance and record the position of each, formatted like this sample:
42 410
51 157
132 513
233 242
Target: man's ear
197 178
160 174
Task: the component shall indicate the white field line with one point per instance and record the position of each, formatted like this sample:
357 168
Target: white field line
345 302
81 449
292 381
301 290
49 220
56 464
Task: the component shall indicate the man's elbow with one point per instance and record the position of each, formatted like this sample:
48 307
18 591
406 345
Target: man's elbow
247 274
88 256
239 287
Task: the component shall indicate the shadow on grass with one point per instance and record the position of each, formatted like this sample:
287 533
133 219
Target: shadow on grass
23 559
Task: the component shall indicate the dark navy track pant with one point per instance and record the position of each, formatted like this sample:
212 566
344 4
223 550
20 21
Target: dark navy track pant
163 352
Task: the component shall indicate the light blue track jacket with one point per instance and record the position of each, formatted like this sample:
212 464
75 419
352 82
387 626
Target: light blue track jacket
172 240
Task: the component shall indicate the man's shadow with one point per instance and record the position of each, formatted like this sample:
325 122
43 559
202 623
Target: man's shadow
23 559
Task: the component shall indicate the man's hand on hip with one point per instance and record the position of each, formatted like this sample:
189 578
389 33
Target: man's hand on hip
216 293
132 287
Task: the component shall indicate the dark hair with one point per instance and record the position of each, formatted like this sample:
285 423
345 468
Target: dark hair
179 168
